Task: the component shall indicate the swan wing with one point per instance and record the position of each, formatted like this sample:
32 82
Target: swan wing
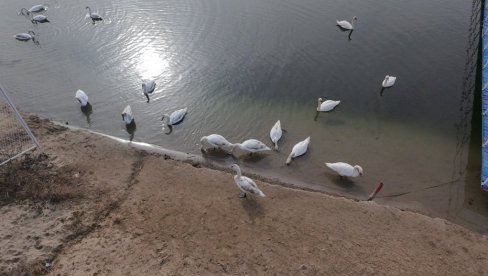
217 140
276 132
247 185
37 8
341 168
148 86
127 115
301 147
40 18
389 81
254 145
344 24
23 36
177 116
328 105
82 97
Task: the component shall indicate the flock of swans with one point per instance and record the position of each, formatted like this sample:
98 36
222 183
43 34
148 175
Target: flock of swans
34 15
216 141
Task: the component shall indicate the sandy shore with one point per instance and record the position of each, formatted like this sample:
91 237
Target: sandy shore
86 205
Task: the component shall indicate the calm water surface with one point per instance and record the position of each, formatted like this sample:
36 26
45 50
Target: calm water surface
241 65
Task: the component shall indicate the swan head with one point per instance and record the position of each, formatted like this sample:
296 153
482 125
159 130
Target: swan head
31 32
358 169
87 8
235 168
354 18
320 100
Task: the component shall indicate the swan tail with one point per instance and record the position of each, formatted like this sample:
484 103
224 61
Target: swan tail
276 145
260 193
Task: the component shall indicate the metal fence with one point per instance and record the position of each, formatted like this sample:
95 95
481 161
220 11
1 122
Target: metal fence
15 136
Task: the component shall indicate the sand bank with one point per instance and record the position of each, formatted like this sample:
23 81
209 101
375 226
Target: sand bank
112 209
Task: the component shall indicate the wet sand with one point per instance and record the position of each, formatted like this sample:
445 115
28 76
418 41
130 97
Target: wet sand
127 211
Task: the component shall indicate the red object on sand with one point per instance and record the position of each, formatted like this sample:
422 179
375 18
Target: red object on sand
371 196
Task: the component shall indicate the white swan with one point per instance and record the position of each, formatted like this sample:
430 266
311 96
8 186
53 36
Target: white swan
81 97
148 86
215 141
299 149
344 169
389 81
36 8
94 16
245 184
175 117
40 18
127 115
275 134
251 146
25 36
327 105
346 25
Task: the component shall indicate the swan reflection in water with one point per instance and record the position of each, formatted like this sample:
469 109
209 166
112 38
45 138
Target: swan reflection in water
131 129
87 110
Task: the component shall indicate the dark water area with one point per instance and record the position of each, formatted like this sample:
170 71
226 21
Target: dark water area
239 66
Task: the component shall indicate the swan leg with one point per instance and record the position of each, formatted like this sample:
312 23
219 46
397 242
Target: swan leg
242 195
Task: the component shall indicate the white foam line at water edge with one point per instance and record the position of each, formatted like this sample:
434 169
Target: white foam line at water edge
485 143
485 86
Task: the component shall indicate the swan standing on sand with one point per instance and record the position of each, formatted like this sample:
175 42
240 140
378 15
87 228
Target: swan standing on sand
127 115
35 8
245 184
40 18
81 97
25 36
94 16
346 25
389 81
299 149
326 105
215 141
344 169
275 134
175 117
251 146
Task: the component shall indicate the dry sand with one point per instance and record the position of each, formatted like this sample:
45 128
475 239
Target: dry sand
86 205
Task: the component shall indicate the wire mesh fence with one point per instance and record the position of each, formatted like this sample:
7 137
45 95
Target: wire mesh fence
15 136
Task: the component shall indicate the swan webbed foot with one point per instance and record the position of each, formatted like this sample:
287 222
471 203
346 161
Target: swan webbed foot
242 195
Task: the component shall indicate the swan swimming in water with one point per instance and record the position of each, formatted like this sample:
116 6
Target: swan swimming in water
275 134
40 18
148 87
389 81
25 36
36 8
344 169
94 16
215 141
245 184
251 146
326 105
81 97
299 149
346 25
127 115
175 117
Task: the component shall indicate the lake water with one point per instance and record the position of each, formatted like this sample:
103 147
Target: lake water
241 65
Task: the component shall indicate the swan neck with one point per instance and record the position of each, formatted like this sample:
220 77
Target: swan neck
165 118
238 171
288 160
